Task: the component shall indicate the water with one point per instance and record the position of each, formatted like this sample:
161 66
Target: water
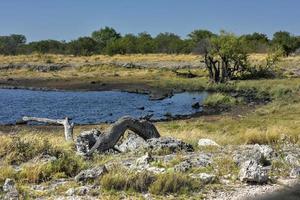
92 107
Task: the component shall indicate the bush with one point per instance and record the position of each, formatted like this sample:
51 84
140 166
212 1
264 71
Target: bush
67 165
219 100
21 150
173 183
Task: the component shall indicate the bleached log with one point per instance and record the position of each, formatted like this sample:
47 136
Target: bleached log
65 122
108 139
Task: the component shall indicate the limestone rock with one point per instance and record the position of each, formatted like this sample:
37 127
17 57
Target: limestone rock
10 190
86 140
295 172
252 172
205 178
207 142
91 174
203 160
9 185
132 143
168 144
263 154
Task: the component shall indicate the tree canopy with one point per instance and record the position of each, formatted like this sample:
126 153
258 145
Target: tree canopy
109 41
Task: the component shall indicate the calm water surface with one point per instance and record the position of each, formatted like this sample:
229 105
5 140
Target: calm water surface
92 107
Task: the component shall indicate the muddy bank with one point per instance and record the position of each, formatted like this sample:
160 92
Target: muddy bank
84 85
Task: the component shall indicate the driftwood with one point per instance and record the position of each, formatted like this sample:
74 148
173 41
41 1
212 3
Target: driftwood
108 139
65 122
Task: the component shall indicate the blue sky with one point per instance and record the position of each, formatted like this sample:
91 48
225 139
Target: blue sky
69 19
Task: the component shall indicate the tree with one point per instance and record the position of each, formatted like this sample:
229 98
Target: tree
168 43
256 42
286 41
104 36
9 45
82 46
47 46
145 43
198 39
225 57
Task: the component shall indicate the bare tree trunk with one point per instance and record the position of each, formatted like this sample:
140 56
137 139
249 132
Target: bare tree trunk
108 140
65 122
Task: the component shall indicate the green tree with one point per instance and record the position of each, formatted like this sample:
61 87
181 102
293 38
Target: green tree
104 36
124 45
197 39
82 46
9 45
168 43
225 57
145 43
256 42
286 41
47 46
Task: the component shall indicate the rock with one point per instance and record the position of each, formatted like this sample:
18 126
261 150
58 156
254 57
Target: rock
266 151
91 174
70 192
263 154
132 143
295 172
202 161
207 142
205 178
9 185
183 166
86 140
168 145
144 160
292 160
10 190
252 172
143 163
82 191
196 105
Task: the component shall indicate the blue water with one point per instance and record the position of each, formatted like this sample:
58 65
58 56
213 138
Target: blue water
92 107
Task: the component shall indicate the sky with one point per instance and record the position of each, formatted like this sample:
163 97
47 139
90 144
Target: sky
70 19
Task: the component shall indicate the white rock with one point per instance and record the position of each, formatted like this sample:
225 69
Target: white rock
9 185
207 142
252 172
206 178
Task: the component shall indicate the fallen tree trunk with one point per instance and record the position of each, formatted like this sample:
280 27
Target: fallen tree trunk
108 140
65 122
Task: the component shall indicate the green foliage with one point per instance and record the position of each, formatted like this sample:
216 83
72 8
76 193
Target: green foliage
219 100
67 165
82 46
108 41
286 41
225 57
11 45
256 42
105 36
199 39
47 46
168 43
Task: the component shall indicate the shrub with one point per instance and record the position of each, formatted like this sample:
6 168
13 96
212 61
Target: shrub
219 100
67 165
20 150
173 183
